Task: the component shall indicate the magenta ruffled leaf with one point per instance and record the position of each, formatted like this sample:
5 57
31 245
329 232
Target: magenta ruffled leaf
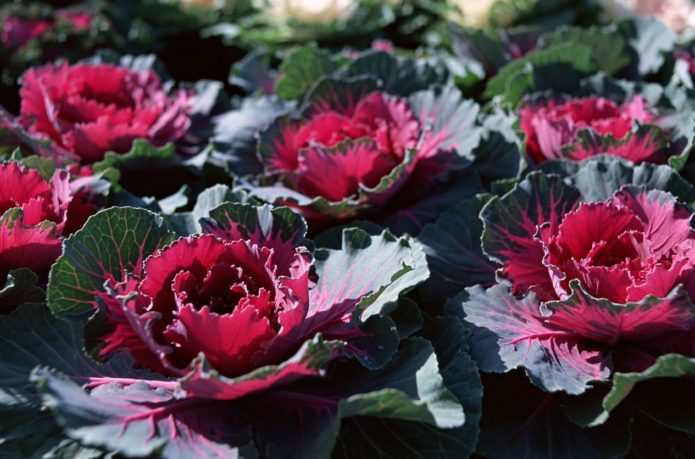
321 211
351 288
111 246
13 135
577 128
27 243
341 171
309 360
512 222
645 144
554 359
358 151
603 321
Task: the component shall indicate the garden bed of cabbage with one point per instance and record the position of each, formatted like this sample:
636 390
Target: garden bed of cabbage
347 228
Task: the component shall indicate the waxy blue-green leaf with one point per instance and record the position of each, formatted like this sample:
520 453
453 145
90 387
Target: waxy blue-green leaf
350 273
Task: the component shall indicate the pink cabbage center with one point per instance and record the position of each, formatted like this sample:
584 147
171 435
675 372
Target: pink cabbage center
335 152
551 128
623 249
91 109
226 300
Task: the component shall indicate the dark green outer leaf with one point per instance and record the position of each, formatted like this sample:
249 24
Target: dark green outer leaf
481 45
541 69
399 76
667 401
461 376
620 90
20 287
651 440
395 408
134 169
142 155
666 366
454 254
608 46
235 139
112 242
498 155
511 221
300 70
407 317
253 73
408 388
258 223
338 94
522 422
31 337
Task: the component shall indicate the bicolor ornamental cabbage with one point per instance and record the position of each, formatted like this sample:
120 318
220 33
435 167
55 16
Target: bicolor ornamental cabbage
236 299
17 30
88 110
580 128
588 288
239 327
35 215
357 151
239 303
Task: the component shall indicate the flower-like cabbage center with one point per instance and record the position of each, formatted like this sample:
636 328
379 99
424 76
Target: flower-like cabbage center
221 289
614 252
389 121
